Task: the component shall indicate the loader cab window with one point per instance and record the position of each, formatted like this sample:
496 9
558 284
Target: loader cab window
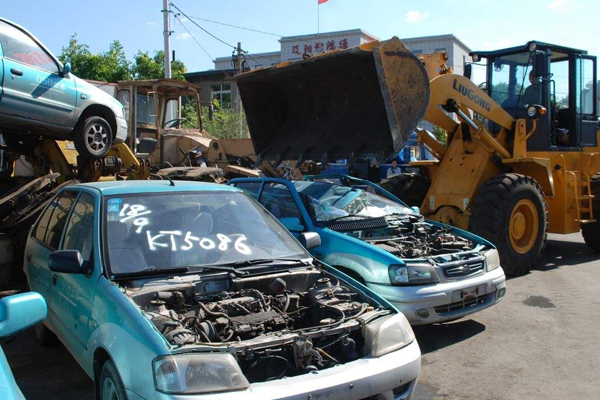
510 84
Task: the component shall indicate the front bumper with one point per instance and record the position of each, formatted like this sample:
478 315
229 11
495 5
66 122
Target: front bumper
442 302
121 130
389 377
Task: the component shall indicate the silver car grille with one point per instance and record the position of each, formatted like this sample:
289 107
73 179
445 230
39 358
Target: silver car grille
463 268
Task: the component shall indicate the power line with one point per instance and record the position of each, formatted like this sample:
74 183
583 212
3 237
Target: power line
207 32
192 36
236 26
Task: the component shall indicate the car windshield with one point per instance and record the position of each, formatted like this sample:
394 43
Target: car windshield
149 232
330 201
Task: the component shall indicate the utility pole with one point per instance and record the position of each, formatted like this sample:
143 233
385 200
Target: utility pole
238 70
167 35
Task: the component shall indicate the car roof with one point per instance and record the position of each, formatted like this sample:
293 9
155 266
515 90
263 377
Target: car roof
109 188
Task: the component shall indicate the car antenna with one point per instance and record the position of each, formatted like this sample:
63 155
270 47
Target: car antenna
162 178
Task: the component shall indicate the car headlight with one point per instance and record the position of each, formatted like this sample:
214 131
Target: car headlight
492 260
413 274
387 334
198 373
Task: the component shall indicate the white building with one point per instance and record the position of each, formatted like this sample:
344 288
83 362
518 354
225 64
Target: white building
293 47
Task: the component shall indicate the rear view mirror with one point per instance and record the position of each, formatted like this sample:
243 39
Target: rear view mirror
310 240
292 224
468 71
20 311
66 261
540 67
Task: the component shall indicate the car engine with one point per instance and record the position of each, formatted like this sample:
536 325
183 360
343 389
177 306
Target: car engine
411 236
276 329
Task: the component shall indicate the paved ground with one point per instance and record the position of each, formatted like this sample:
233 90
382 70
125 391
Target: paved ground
540 342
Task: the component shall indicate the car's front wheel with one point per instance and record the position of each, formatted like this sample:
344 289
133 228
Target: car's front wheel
111 387
93 138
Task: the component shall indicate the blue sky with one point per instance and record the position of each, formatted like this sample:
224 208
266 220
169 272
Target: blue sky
481 24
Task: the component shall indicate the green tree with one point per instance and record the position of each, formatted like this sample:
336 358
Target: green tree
147 67
226 123
110 66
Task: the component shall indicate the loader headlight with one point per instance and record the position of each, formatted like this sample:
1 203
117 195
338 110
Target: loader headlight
198 373
414 274
387 334
492 259
535 110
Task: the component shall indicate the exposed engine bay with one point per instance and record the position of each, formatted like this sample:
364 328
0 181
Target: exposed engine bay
280 326
410 236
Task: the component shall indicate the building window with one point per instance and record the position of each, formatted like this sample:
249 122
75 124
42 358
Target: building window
417 51
222 93
439 50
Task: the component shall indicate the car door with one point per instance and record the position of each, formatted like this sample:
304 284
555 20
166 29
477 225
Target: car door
279 200
33 87
73 293
44 239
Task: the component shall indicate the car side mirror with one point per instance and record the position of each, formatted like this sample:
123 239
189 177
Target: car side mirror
66 261
416 210
20 311
310 240
292 224
66 69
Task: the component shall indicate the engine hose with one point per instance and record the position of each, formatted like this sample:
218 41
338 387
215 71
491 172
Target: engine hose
323 352
361 312
228 338
287 302
261 297
212 313
204 335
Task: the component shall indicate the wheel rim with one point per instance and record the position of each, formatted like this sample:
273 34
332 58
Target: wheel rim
524 225
109 390
96 138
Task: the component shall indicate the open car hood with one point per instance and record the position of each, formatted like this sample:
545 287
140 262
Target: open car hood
363 100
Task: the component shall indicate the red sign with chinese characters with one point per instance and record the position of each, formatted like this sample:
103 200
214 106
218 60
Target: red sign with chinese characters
320 46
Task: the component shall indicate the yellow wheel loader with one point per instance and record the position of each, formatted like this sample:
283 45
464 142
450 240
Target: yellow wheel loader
521 155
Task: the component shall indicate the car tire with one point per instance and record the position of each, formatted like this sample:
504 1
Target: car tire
510 211
110 385
411 188
93 137
591 231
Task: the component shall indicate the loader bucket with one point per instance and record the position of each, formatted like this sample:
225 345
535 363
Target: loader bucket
342 104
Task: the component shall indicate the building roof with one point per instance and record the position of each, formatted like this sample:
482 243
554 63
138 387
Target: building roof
337 33
448 36
210 72
253 55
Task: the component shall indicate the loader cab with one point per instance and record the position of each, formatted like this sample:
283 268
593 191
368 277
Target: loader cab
561 79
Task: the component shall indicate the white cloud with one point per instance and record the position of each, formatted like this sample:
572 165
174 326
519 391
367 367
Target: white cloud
151 23
414 16
183 36
558 5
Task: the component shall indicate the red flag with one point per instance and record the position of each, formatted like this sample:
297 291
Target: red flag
322 1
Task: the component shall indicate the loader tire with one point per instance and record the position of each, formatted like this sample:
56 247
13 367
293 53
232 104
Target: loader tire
411 188
510 211
591 231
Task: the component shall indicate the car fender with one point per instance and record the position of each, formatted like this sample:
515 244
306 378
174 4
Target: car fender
89 95
129 338
370 262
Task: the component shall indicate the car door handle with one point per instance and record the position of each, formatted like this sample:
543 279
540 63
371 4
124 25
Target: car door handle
54 279
28 257
17 72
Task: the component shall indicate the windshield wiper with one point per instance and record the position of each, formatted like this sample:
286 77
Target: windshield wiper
247 263
347 216
218 267
152 271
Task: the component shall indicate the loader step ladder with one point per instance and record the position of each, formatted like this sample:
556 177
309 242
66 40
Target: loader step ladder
582 202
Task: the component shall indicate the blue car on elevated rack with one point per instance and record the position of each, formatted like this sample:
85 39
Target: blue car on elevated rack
430 271
185 290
